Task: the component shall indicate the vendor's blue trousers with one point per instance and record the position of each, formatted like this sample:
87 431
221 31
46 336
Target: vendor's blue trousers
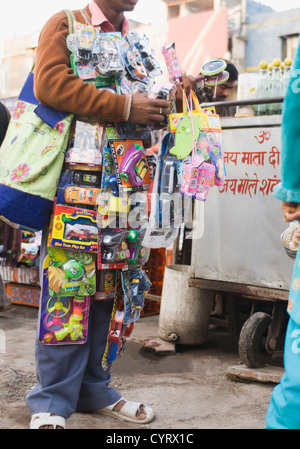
284 408
70 377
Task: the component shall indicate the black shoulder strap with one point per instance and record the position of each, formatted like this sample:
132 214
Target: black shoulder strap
3 122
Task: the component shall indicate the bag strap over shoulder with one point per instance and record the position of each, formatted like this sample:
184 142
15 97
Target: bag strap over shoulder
71 19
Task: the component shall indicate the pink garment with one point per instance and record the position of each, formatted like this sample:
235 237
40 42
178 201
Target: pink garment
99 19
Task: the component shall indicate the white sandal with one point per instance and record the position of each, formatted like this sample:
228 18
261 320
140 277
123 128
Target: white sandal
128 411
39 420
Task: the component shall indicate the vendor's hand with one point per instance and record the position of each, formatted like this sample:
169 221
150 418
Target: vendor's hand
148 111
186 84
291 211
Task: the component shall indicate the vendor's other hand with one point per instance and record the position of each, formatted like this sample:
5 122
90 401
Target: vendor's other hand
148 111
291 211
296 238
186 84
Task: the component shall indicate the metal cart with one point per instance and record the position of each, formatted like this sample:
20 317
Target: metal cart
240 256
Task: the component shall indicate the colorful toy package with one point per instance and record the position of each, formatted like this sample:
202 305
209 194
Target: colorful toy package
85 147
68 279
71 272
135 284
74 228
131 165
113 249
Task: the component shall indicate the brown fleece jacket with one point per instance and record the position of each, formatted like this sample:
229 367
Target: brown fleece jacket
55 83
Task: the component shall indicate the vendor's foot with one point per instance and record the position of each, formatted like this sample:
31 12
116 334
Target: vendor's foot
47 421
129 411
140 413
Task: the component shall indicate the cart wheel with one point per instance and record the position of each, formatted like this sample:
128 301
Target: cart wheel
252 341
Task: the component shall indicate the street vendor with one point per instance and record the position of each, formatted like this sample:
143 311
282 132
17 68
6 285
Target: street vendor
70 377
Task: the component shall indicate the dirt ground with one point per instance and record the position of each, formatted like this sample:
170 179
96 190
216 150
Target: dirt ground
188 390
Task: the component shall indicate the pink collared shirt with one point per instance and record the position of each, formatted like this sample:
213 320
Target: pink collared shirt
99 19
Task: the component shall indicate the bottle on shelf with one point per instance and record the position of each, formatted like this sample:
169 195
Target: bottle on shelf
286 75
275 86
262 88
269 77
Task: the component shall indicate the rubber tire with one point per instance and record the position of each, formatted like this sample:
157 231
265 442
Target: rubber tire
252 339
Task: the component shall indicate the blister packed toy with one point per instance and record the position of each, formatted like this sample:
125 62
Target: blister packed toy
95 56
133 62
68 282
79 187
107 284
135 284
113 252
172 62
71 272
118 331
84 151
137 253
131 165
74 228
142 44
64 320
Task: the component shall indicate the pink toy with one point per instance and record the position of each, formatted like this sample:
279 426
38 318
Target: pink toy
172 62
205 176
189 180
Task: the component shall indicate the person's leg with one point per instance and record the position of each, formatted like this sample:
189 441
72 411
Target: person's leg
284 407
95 391
96 394
60 370
70 377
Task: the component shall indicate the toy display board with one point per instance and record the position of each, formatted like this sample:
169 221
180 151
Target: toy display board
63 319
